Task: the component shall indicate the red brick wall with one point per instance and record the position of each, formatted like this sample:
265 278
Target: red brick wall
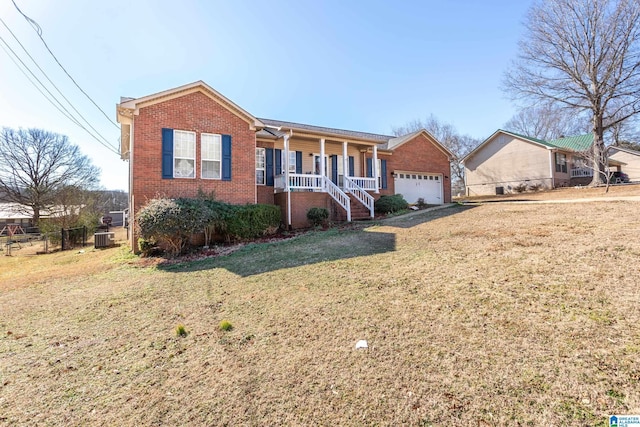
198 113
265 193
301 202
418 155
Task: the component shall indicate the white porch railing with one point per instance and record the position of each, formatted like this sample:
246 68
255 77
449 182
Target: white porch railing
298 181
339 196
359 193
364 183
581 172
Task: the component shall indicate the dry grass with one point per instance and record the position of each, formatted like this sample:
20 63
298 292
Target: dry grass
491 315
622 190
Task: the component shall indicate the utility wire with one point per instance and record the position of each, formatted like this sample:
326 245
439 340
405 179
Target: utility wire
36 86
54 85
38 31
60 107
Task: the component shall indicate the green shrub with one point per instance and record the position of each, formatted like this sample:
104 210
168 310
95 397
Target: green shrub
251 221
317 216
421 204
171 221
181 331
147 247
390 204
225 325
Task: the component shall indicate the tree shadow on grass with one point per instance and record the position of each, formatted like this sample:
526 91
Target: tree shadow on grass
311 248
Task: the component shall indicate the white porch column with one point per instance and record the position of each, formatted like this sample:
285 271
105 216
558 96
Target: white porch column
286 162
374 166
345 164
322 165
286 178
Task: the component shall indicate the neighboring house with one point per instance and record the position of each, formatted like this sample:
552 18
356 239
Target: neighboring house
191 138
11 213
507 161
629 159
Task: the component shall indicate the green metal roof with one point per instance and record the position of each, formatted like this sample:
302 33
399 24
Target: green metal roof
574 143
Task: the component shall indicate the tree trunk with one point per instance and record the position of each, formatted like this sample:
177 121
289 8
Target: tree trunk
36 215
598 151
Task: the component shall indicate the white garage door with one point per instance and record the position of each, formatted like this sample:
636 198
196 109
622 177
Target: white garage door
413 185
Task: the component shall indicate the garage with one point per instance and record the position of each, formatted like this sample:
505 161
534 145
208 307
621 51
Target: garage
414 185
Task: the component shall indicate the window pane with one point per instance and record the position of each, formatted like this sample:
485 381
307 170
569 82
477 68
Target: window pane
184 168
260 158
211 146
292 161
211 169
260 177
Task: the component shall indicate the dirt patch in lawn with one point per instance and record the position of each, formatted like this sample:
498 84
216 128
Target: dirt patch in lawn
491 315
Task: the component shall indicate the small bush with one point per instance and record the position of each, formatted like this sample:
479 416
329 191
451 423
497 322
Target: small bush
535 187
181 331
226 326
147 247
172 221
520 188
421 204
390 204
317 216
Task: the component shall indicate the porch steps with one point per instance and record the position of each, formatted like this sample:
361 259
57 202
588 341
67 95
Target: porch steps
358 210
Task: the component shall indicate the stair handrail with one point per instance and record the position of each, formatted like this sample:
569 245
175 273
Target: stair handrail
338 195
360 194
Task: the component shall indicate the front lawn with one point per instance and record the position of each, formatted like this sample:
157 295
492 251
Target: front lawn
488 315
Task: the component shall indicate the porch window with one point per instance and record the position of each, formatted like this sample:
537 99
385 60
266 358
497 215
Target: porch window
292 162
184 154
561 163
260 166
211 145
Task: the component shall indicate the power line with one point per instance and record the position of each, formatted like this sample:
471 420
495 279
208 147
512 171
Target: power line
53 84
60 107
38 31
36 86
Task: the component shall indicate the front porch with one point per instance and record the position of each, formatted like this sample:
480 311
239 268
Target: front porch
331 169
352 196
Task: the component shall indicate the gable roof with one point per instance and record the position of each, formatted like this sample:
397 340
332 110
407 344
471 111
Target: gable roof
198 86
571 143
396 142
373 137
625 150
532 140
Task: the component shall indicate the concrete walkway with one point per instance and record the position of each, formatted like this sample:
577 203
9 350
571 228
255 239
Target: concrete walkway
409 215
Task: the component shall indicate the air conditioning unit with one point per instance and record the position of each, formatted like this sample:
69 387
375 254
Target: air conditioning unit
104 240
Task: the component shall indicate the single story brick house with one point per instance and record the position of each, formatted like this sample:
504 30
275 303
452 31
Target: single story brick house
192 138
507 161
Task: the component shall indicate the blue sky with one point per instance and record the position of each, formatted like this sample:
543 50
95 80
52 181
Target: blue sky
360 65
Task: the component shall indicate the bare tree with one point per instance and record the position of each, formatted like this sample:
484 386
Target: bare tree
38 167
447 135
584 54
546 122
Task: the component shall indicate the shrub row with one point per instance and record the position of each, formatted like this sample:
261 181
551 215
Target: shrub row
171 222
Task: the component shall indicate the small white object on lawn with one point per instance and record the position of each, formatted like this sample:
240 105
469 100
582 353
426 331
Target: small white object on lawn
362 344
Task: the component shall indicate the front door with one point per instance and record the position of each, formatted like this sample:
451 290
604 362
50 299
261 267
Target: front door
316 164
